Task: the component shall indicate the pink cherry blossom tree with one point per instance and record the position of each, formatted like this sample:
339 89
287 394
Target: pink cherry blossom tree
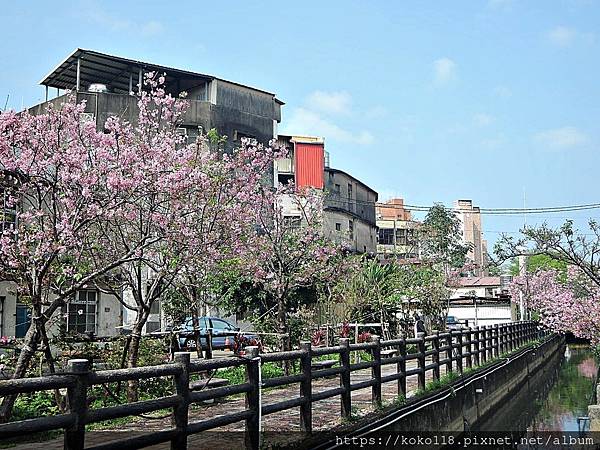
65 181
127 208
565 302
291 249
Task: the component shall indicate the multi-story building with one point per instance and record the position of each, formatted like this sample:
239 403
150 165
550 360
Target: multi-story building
470 218
349 209
397 232
108 83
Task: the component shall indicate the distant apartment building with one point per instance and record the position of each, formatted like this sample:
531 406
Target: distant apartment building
472 231
397 232
349 210
107 84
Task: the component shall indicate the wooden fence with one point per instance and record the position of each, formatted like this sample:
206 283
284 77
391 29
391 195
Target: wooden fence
455 350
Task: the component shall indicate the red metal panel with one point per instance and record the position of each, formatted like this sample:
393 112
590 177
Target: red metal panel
309 163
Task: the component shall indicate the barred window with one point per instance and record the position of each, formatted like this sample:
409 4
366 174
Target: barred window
8 213
81 312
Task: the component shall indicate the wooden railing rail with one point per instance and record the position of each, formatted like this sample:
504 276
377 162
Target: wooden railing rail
413 358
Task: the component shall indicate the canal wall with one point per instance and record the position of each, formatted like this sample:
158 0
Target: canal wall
472 402
594 408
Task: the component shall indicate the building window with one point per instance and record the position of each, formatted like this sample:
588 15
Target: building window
292 222
202 93
351 229
337 189
338 226
349 191
8 213
155 307
81 312
239 135
386 236
23 320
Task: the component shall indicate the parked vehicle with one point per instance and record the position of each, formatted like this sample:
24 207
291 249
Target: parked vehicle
223 333
452 323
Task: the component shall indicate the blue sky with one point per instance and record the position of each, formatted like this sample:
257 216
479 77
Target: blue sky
430 101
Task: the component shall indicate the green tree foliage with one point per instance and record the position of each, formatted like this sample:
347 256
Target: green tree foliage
537 262
441 238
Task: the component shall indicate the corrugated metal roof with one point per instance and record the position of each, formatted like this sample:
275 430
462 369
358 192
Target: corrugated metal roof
479 281
114 71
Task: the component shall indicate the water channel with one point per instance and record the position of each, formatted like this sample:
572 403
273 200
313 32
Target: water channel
555 401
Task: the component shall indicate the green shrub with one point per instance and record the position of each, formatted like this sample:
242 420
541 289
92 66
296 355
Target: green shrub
35 404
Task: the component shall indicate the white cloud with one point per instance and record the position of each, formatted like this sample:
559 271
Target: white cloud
151 28
304 121
502 91
330 102
483 120
561 138
493 143
97 14
562 36
444 70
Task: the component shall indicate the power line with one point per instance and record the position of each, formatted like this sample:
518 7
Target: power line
483 211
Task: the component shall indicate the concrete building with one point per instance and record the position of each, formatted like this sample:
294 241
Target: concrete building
349 214
470 218
482 287
480 301
397 232
107 84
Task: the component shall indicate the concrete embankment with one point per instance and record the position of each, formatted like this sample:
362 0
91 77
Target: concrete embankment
476 401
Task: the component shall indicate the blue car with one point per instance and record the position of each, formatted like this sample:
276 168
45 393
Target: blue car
223 333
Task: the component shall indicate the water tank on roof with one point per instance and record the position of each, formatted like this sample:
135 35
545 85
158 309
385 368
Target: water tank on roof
98 87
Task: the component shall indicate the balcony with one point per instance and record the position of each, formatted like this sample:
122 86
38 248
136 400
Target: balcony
102 105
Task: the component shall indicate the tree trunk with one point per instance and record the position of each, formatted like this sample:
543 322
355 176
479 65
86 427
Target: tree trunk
30 345
134 351
284 337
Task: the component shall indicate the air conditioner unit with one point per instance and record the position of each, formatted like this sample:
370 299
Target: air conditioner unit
86 117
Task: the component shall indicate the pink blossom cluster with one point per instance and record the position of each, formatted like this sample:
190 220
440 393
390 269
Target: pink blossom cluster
91 202
566 302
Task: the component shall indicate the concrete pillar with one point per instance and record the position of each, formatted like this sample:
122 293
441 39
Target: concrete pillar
594 415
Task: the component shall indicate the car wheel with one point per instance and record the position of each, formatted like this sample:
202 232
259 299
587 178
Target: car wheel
190 343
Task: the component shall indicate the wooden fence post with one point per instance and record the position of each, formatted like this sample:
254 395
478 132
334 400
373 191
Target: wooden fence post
476 347
503 343
209 344
253 398
489 343
346 397
181 411
306 388
449 353
376 371
421 360
435 357
469 346
482 343
77 398
459 351
496 341
401 368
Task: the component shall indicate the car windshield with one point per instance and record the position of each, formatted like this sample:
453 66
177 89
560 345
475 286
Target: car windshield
451 319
